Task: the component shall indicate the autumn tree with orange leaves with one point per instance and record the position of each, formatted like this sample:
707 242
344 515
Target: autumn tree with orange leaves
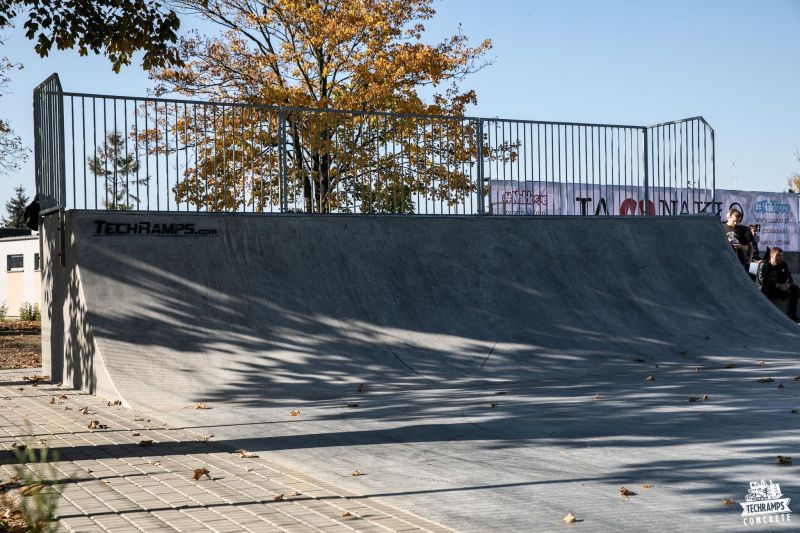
364 56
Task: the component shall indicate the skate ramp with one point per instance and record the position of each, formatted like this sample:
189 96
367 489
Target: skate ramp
484 373
249 309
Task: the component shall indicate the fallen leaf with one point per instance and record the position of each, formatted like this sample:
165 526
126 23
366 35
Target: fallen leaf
84 411
761 363
352 405
345 514
646 486
650 378
30 490
52 400
136 434
795 411
728 501
780 385
93 424
295 493
597 396
697 369
784 460
705 397
625 492
63 397
796 378
200 472
361 388
570 518
205 438
357 473
278 497
42 442
639 360
694 398
21 389
730 365
141 419
294 412
200 405
493 405
765 380
244 454
147 442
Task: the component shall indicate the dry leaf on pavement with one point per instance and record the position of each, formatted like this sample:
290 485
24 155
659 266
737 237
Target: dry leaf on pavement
30 490
730 365
650 378
597 396
200 472
728 501
201 405
357 473
244 454
278 497
646 486
345 514
294 412
570 518
784 460
625 492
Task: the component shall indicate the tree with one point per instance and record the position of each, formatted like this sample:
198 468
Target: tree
119 171
361 55
12 152
794 180
115 28
16 209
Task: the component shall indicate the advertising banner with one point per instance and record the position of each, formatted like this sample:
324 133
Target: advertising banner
774 214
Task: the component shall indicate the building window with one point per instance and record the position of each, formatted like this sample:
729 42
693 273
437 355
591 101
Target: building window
36 265
14 262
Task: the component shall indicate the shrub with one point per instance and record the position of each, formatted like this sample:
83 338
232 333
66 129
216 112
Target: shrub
3 311
28 311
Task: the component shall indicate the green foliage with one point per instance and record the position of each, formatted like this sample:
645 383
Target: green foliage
16 209
118 168
39 487
3 311
28 311
114 28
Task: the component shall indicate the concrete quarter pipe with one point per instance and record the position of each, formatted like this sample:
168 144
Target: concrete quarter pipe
498 363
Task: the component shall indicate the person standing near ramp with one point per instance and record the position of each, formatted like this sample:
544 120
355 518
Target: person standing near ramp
776 282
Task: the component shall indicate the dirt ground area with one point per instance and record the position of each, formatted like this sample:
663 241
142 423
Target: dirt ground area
20 344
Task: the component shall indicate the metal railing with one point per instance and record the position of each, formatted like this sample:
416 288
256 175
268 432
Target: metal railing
158 154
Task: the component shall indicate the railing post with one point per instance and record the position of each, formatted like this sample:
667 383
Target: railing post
282 164
646 209
479 156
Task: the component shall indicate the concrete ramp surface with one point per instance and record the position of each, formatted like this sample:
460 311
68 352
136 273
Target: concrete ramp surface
487 372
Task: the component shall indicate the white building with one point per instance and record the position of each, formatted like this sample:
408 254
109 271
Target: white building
20 273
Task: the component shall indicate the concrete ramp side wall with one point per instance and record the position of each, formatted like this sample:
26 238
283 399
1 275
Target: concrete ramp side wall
69 351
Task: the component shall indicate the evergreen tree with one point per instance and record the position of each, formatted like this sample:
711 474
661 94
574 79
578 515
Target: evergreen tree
117 168
16 209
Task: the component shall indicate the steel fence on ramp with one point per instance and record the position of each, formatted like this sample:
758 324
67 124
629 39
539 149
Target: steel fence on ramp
159 154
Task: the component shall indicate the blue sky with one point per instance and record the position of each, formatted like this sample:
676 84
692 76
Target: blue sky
736 63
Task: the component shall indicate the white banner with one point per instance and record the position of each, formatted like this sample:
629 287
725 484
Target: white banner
775 214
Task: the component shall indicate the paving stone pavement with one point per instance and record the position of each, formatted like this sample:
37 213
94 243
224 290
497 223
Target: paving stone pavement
111 483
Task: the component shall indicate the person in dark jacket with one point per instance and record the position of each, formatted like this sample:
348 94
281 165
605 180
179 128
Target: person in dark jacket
775 281
739 237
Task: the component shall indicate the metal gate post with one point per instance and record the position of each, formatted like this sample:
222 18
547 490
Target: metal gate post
479 155
646 210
